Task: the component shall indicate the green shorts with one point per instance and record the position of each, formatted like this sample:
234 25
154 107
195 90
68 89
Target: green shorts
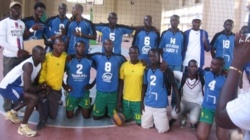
72 102
132 109
105 101
207 116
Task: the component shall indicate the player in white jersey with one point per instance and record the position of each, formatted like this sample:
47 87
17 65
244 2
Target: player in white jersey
11 39
17 85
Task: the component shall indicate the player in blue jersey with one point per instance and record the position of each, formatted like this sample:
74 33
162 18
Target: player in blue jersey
113 31
77 86
107 79
58 25
35 28
223 43
146 37
214 81
80 29
155 97
172 44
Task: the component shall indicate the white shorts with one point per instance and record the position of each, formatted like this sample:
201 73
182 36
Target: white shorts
157 116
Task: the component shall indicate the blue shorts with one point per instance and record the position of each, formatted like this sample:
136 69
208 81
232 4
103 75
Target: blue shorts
247 68
12 92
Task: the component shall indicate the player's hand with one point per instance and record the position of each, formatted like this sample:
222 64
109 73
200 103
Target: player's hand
63 31
142 107
68 88
118 107
164 65
177 108
88 86
37 26
78 33
22 53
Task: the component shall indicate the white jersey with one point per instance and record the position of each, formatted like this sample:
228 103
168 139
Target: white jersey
192 89
11 36
15 76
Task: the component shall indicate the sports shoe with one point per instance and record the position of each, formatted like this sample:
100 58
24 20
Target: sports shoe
193 126
12 116
183 123
26 131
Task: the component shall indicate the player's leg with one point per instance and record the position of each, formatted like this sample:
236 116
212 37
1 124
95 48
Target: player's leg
53 103
111 103
177 115
221 133
100 105
42 109
85 105
161 119
194 114
205 124
147 118
71 105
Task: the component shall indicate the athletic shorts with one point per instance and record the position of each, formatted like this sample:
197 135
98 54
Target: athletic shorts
155 116
13 93
132 109
207 116
105 102
73 102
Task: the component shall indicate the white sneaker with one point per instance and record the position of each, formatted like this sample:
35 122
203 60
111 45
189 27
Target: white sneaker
12 116
20 113
26 131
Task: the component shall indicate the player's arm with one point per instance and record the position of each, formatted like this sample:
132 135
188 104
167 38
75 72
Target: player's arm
120 93
27 86
42 76
92 34
213 42
144 89
206 41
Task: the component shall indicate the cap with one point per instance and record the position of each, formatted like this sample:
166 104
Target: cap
15 3
198 17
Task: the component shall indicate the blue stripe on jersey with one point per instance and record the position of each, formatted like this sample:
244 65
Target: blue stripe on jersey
113 34
107 77
78 72
172 45
156 94
85 27
145 41
213 87
224 46
54 26
29 22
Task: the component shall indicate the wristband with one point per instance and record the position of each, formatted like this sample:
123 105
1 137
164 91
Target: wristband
233 68
31 30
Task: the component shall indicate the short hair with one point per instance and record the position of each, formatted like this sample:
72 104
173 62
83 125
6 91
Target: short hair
62 4
148 16
228 20
37 48
79 6
154 50
58 40
80 41
135 47
192 61
176 16
222 61
112 13
39 4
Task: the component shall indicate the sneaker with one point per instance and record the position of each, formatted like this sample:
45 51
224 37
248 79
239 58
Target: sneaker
193 126
183 123
26 131
171 122
12 116
20 113
40 125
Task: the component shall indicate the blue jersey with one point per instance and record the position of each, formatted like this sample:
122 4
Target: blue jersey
156 95
145 40
38 34
78 71
173 47
54 25
247 68
85 27
107 70
224 46
213 87
114 35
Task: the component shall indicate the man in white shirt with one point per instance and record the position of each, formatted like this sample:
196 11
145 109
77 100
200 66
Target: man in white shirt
233 111
11 39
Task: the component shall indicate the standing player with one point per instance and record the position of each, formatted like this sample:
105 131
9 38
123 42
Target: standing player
214 81
80 29
107 79
11 39
130 86
113 31
17 86
51 75
155 96
146 38
58 25
35 28
223 44
196 43
78 71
